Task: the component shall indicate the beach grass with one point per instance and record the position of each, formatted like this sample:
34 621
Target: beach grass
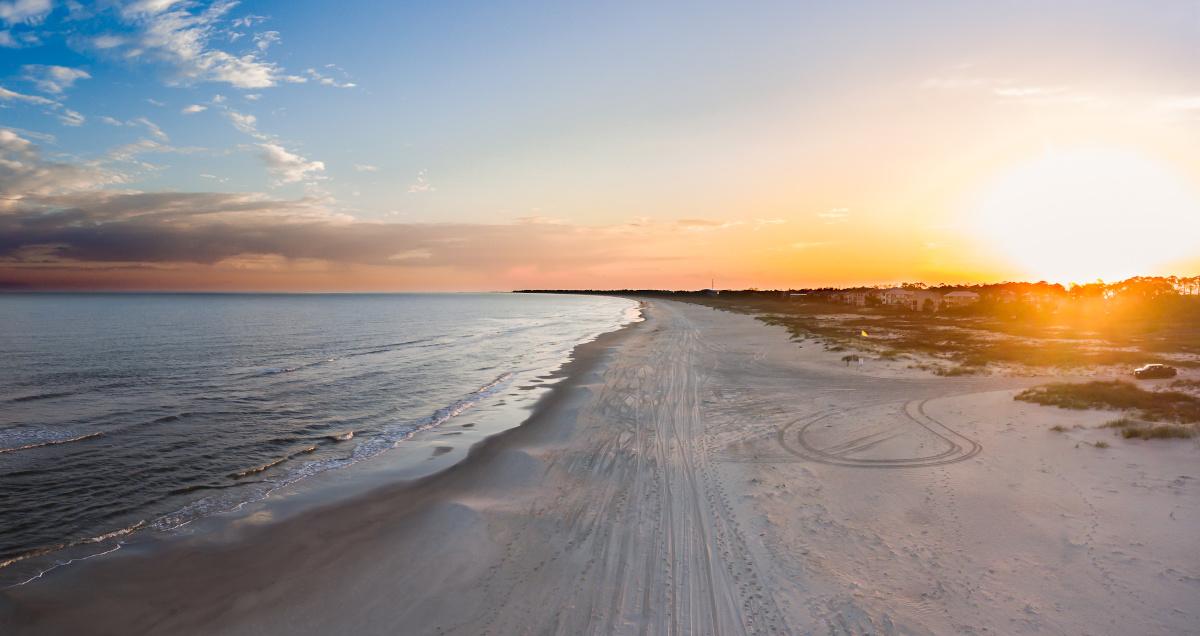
1154 406
972 342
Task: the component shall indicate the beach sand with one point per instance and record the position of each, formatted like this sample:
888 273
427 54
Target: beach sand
698 473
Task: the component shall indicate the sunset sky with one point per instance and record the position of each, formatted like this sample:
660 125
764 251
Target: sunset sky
317 146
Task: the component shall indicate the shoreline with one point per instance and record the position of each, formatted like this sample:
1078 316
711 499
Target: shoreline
405 476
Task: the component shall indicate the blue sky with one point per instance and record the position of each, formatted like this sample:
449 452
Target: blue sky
623 114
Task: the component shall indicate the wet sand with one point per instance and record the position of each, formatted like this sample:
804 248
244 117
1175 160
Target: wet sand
699 473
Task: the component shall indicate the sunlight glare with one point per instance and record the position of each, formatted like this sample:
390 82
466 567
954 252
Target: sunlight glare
1081 214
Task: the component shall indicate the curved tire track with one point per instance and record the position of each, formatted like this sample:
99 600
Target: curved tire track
959 447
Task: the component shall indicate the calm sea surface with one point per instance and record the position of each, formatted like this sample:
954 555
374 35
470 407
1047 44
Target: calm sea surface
125 412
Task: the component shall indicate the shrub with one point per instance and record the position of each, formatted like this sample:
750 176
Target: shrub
1159 431
1171 406
957 371
1121 422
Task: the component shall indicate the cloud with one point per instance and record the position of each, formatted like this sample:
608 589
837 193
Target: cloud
129 152
539 220
70 117
248 20
326 80
808 245
421 184
244 122
16 40
53 79
108 41
141 7
210 228
65 115
265 39
170 32
705 225
289 167
69 224
1012 90
366 167
834 215
193 109
152 127
24 11
25 173
13 96
1178 105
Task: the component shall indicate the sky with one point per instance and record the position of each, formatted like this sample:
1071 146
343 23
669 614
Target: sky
364 146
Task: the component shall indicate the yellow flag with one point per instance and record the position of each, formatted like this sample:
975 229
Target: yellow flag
864 334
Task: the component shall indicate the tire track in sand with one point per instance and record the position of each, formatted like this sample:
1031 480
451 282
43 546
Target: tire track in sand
794 437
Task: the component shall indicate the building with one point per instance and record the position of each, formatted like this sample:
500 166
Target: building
858 298
960 299
914 299
896 297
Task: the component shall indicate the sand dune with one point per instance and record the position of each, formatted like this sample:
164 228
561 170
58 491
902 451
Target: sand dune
700 474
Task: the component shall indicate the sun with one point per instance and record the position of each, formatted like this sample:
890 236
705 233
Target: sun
1087 213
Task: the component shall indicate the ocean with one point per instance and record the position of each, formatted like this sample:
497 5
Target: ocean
121 413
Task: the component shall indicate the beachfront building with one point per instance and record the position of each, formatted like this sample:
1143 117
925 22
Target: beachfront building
858 298
897 297
914 299
960 299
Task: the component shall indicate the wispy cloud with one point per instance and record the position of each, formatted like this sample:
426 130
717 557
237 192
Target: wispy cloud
421 184
70 117
52 79
834 215
25 173
245 123
108 41
152 127
248 21
65 115
1177 105
14 40
193 109
24 11
13 96
289 167
174 33
705 225
1010 89
366 167
324 79
264 40
764 223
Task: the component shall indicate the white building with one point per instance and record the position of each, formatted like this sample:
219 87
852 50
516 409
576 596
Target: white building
960 299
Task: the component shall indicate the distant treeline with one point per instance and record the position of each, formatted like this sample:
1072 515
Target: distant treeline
1139 287
1139 304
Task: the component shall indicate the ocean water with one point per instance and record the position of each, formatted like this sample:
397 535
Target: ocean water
125 412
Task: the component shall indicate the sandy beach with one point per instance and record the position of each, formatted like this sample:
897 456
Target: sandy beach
697 473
